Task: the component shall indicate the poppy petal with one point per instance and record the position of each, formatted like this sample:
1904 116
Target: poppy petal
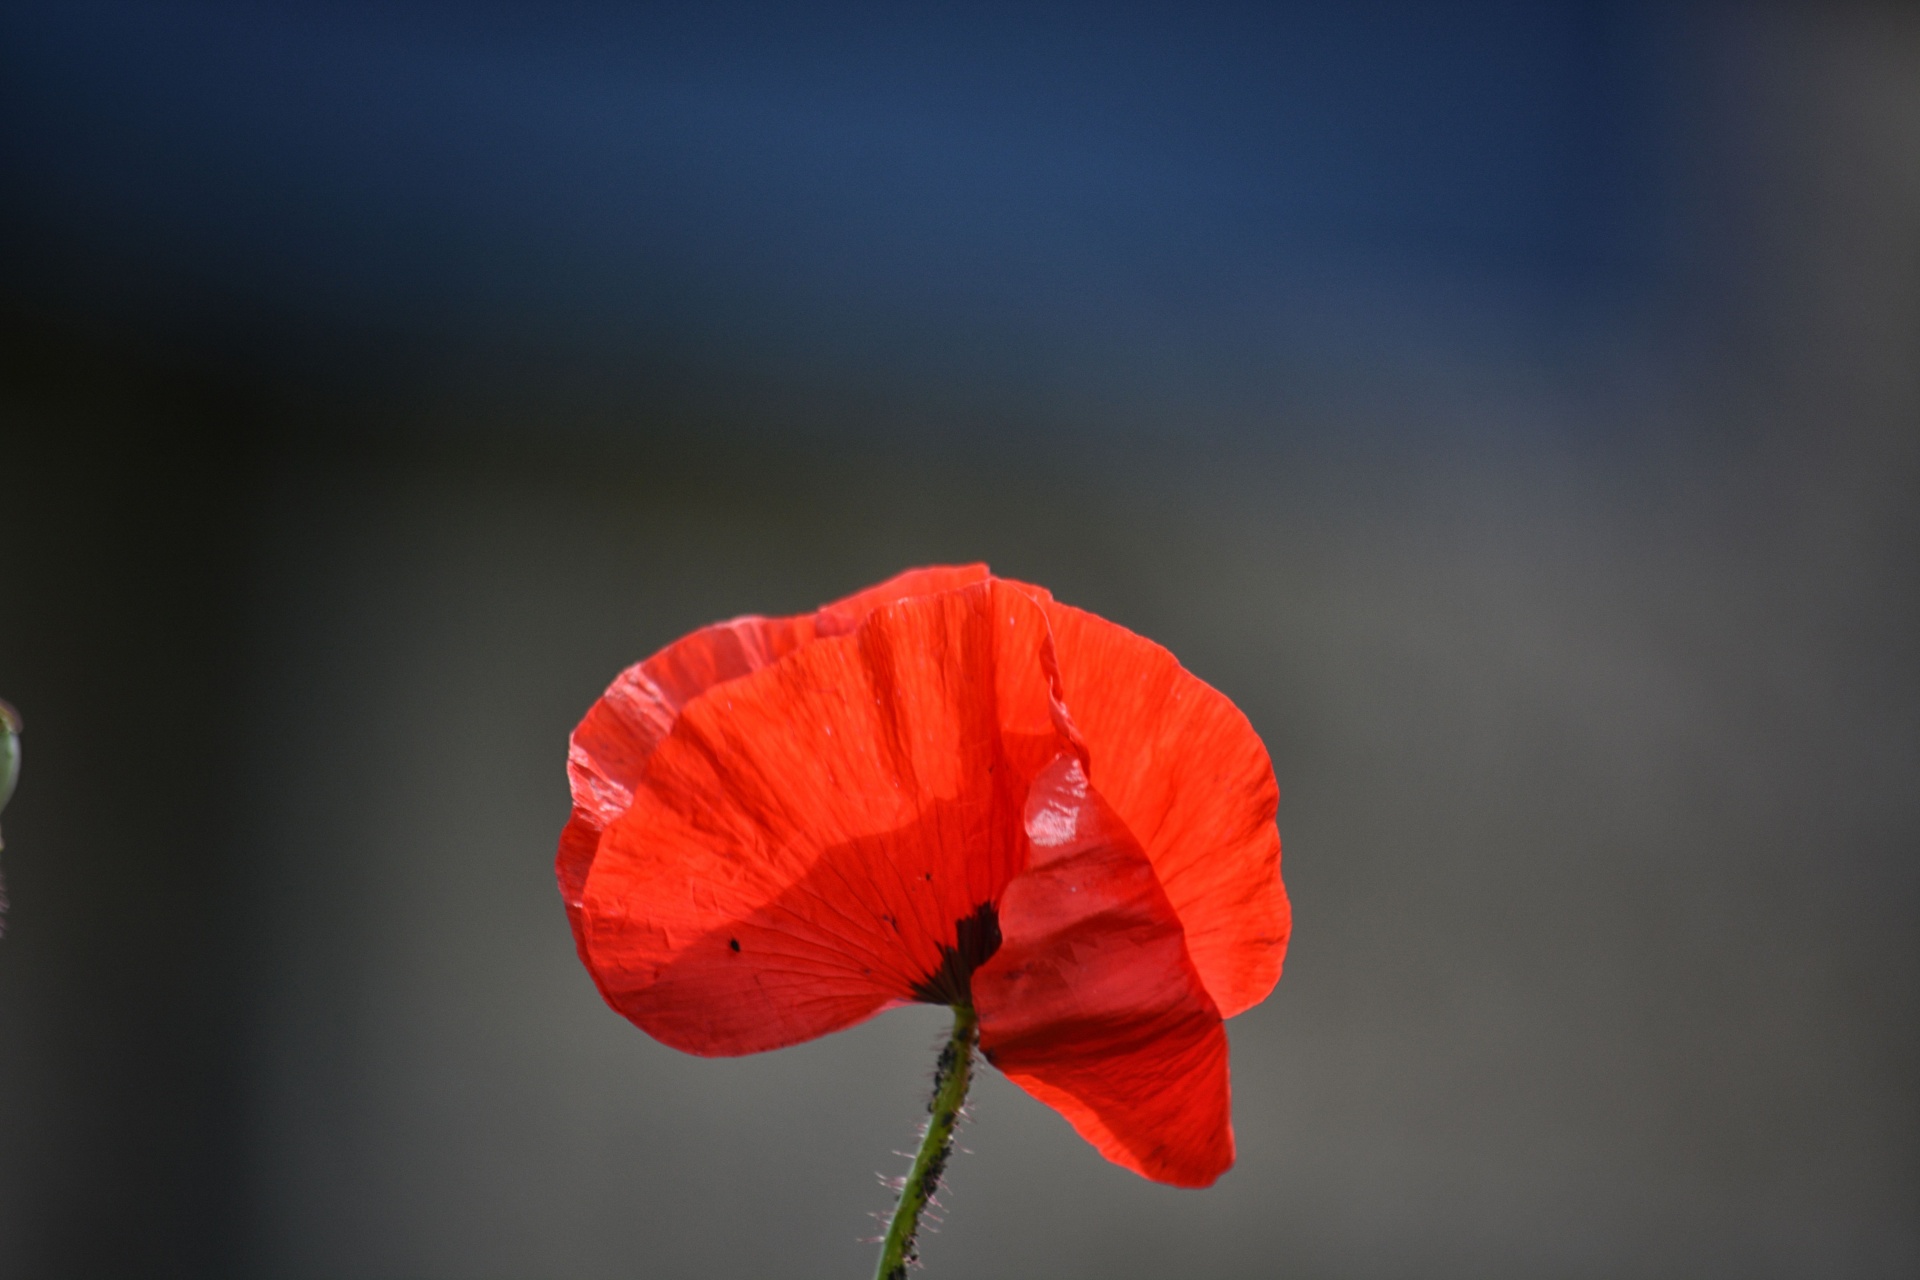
1191 780
610 747
844 615
621 730
805 842
1092 1004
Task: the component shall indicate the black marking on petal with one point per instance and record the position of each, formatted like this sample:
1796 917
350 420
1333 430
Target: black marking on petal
734 943
976 938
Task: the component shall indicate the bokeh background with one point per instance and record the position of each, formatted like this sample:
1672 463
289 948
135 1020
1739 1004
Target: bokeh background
1514 407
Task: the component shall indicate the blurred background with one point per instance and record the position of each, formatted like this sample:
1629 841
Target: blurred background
1514 407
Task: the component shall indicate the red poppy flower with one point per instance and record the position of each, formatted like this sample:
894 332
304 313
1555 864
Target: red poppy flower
947 788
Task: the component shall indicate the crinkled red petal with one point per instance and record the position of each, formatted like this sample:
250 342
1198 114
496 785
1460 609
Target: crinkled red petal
1092 1004
1191 780
844 615
801 846
613 742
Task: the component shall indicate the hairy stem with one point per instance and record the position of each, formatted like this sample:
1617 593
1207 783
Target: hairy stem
950 1080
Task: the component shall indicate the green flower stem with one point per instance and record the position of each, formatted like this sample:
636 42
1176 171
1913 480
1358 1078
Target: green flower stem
950 1080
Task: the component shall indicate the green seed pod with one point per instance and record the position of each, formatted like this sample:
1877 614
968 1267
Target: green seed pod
9 752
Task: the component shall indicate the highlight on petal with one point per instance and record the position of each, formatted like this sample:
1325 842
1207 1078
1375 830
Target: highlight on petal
802 845
1191 780
1092 1004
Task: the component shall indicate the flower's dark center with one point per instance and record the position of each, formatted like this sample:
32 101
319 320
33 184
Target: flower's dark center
977 937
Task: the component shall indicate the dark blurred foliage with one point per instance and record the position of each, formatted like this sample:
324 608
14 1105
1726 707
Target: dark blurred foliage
1513 407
